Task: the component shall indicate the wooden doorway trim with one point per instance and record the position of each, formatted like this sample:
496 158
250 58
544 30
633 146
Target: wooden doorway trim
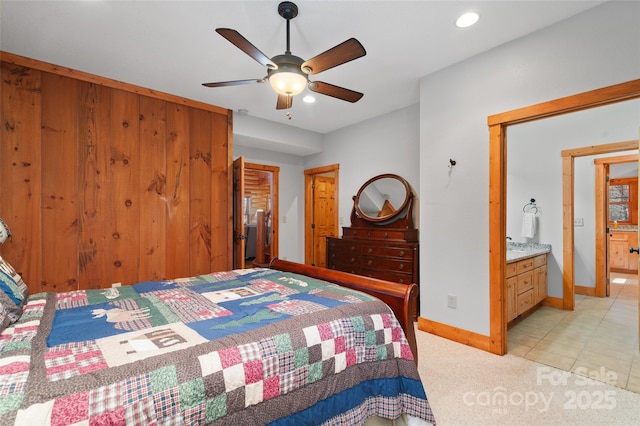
498 125
568 171
275 202
308 205
602 171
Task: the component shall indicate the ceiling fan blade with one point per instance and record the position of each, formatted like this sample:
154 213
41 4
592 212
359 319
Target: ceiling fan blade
243 44
233 83
284 102
335 91
338 55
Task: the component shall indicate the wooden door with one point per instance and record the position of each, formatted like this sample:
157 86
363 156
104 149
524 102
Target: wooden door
238 210
320 212
323 217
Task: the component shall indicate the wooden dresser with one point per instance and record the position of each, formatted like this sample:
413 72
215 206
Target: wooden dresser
376 254
378 246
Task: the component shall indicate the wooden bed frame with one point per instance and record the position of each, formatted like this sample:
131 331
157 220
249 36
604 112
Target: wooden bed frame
401 298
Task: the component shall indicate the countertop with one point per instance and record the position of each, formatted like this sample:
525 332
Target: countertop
519 251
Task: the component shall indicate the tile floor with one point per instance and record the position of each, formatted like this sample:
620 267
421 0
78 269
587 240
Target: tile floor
599 339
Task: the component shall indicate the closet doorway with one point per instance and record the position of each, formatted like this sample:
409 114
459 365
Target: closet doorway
320 212
255 192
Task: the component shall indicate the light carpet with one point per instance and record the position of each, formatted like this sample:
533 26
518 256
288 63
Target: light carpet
467 386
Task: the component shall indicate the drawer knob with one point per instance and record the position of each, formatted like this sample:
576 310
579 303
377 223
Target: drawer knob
370 249
401 266
353 248
386 234
401 281
401 252
369 262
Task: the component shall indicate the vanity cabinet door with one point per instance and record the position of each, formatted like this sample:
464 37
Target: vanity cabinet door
620 259
512 308
540 283
618 250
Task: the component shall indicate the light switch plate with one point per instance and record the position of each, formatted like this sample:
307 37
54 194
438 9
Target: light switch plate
578 221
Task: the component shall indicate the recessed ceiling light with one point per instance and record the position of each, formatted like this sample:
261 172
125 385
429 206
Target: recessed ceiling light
309 99
467 20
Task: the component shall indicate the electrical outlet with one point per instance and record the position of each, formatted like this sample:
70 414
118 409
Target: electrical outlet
578 221
116 285
284 219
452 301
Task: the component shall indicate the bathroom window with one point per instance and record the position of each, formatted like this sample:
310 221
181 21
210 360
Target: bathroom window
622 200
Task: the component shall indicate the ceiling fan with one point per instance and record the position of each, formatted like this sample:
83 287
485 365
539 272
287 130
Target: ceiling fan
289 74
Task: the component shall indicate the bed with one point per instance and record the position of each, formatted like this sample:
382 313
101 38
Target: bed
286 345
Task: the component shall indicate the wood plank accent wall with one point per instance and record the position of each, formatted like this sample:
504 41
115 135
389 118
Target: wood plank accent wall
105 182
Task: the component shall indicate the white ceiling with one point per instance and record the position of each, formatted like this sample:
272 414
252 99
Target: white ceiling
172 46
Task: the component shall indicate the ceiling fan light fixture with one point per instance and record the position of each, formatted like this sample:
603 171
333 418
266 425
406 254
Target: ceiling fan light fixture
288 80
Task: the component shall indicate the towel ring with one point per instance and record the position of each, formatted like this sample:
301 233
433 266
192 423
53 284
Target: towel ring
532 206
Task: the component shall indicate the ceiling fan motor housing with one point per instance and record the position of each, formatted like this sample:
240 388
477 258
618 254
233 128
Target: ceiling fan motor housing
288 10
288 64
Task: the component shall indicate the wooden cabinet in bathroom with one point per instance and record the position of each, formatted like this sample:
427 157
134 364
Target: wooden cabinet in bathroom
620 260
526 285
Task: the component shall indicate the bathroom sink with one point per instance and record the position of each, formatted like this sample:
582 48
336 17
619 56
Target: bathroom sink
519 251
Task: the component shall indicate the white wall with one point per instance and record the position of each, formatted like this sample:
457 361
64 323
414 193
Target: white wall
595 49
386 144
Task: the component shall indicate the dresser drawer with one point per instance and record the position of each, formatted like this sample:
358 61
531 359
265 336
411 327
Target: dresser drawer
404 235
399 252
388 276
387 234
348 260
384 263
345 249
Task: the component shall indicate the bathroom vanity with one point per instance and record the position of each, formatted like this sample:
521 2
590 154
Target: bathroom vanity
526 277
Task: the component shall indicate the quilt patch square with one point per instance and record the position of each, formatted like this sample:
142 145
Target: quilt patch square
253 372
253 393
210 363
135 389
195 415
70 409
104 399
234 377
167 403
72 299
191 393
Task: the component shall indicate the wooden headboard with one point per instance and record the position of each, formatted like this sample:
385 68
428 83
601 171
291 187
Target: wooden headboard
104 182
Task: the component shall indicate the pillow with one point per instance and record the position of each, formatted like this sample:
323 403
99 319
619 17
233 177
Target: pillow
13 291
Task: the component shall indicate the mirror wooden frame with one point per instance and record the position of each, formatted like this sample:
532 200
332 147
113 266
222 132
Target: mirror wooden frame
387 217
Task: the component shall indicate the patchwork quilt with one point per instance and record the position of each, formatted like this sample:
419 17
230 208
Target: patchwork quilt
244 347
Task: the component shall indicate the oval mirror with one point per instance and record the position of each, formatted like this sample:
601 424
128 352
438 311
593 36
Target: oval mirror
382 198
